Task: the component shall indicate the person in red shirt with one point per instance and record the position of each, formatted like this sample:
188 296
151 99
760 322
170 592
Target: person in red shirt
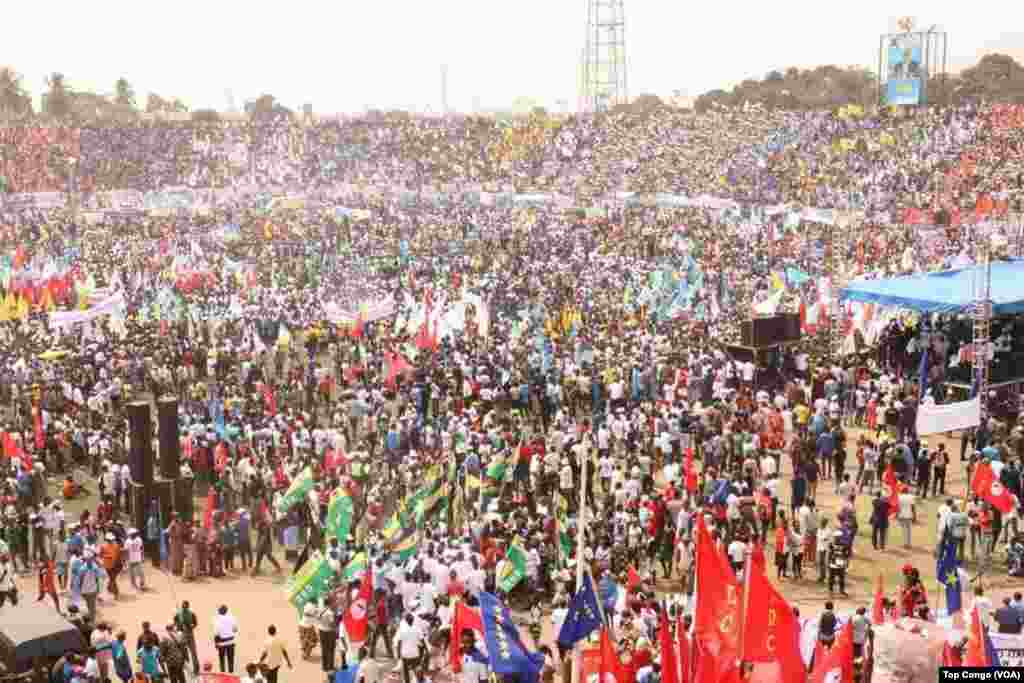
456 588
47 583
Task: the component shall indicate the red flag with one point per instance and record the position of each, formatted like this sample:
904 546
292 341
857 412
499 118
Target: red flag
633 580
986 485
771 633
878 610
976 654
610 664
211 504
758 563
691 474
835 665
717 617
951 656
463 619
358 331
683 643
591 665
895 489
357 618
669 653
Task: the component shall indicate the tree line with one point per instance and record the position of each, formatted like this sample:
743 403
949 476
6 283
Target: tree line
995 78
62 104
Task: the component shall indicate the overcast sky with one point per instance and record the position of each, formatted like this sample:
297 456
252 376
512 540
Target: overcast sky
343 56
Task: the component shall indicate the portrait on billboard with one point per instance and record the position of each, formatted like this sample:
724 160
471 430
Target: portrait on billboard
905 56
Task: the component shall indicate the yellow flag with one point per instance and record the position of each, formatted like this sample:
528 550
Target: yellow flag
268 230
5 312
22 309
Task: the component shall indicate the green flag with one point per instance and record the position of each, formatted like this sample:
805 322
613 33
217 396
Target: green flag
515 569
356 566
430 505
312 580
302 485
339 514
496 470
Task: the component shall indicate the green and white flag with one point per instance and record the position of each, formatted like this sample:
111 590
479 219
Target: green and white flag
515 567
356 566
295 494
339 514
314 579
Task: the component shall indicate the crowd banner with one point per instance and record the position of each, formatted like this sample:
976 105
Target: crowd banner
1010 647
170 200
107 306
948 417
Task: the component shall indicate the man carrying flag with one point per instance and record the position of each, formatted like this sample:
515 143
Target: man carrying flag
771 630
717 616
987 485
506 651
979 650
583 617
357 618
947 570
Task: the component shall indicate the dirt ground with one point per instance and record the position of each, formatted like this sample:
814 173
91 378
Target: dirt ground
259 602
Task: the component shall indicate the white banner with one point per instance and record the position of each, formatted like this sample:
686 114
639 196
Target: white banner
1009 647
933 419
65 319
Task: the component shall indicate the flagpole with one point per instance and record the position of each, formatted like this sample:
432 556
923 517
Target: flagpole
581 521
744 603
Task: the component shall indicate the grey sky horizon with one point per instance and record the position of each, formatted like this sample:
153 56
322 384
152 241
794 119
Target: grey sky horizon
388 54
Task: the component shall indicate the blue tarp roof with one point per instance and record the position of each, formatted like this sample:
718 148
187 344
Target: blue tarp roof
948 291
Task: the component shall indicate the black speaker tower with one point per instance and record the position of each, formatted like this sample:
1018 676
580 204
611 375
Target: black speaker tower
140 443
170 444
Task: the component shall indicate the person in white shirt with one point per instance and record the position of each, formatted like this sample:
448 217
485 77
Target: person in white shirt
409 645
8 589
905 516
136 574
737 554
225 629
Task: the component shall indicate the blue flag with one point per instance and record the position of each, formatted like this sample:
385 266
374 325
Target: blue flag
505 649
947 569
348 674
583 617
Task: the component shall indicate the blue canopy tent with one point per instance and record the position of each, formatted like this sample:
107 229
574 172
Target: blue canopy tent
947 291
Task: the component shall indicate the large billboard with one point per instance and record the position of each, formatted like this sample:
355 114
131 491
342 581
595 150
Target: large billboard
906 70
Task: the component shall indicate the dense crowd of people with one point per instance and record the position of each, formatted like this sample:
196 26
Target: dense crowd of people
439 420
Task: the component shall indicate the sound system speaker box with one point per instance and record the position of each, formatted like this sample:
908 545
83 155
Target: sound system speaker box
764 331
184 501
791 327
140 443
163 496
170 444
140 505
747 333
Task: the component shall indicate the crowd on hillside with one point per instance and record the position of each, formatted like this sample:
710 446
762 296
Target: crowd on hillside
433 423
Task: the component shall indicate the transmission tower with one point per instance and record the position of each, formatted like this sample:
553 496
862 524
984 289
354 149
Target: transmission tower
604 56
